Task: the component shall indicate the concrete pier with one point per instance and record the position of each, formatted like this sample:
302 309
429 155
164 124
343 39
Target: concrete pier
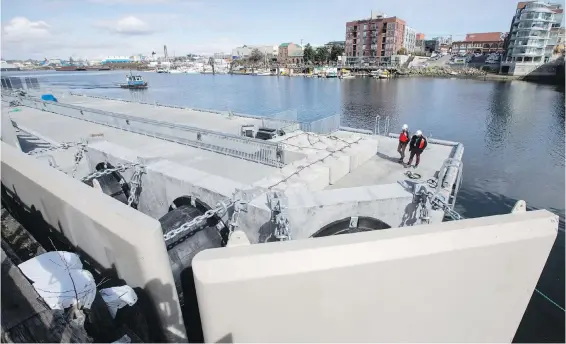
434 278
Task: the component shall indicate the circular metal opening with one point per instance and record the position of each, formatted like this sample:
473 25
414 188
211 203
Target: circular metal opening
352 224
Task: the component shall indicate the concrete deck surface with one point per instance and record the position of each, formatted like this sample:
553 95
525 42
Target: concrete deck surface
198 119
384 168
65 129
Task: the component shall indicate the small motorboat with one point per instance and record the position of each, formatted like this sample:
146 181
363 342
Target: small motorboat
134 82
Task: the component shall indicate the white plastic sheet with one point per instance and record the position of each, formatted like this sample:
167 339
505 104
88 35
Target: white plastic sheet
58 277
118 297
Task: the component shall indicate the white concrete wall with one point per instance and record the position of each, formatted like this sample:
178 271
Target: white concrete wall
113 234
164 180
8 132
460 281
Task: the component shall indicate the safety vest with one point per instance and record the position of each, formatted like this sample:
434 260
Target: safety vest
404 137
422 143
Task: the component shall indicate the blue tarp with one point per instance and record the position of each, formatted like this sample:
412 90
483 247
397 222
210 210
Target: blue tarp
48 97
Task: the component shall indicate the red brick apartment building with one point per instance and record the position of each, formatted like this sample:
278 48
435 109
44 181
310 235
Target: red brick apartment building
374 40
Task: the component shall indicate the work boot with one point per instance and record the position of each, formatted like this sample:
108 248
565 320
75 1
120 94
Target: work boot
417 165
400 160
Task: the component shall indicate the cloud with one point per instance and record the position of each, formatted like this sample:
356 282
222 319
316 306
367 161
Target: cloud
22 29
129 25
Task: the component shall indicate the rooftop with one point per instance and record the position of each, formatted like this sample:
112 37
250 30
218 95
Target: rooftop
485 36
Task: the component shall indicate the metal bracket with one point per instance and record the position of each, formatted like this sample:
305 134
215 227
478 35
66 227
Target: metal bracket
353 222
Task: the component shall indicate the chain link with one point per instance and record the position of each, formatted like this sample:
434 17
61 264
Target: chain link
78 157
278 205
194 225
438 202
135 183
119 168
65 145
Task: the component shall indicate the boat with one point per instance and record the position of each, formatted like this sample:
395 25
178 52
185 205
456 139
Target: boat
161 70
134 82
175 71
191 71
263 73
70 68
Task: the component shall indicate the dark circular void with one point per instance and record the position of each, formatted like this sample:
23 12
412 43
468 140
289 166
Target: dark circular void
365 224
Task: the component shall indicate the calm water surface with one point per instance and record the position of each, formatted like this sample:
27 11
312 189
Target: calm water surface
513 133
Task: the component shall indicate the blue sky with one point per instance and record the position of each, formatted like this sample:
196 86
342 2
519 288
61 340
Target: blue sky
98 28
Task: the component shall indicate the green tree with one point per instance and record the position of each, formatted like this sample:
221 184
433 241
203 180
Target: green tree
336 51
402 51
321 55
256 56
308 53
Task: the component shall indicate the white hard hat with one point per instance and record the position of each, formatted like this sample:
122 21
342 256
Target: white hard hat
419 133
405 127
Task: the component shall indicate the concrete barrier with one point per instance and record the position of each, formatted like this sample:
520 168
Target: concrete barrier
164 180
459 281
113 234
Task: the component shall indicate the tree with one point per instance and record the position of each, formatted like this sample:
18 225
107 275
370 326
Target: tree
308 53
256 56
336 51
402 51
321 55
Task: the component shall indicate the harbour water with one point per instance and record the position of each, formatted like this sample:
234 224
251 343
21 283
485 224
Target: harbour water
513 133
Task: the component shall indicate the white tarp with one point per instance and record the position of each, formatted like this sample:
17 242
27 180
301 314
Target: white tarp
58 277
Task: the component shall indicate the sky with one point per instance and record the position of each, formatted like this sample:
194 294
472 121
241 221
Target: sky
98 28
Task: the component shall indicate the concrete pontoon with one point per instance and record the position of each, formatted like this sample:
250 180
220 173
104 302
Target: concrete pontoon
309 180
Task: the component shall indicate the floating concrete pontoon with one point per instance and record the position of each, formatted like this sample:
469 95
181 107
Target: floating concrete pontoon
295 185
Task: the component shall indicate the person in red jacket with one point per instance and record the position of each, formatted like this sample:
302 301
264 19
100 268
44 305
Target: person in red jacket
416 147
403 141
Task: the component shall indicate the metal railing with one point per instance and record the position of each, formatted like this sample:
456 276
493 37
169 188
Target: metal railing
259 151
377 130
325 125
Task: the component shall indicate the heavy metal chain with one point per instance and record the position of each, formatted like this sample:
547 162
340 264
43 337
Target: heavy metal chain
119 168
65 145
194 225
78 157
135 183
438 202
278 205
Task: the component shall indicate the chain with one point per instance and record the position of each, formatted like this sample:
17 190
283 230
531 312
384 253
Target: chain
98 174
78 157
438 202
194 224
278 206
135 183
65 145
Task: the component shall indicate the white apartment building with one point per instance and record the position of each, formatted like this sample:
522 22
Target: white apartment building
532 37
246 50
410 39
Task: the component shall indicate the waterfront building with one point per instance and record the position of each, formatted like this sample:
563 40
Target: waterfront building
290 53
480 43
410 38
420 37
246 50
117 59
431 45
329 45
374 40
534 32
